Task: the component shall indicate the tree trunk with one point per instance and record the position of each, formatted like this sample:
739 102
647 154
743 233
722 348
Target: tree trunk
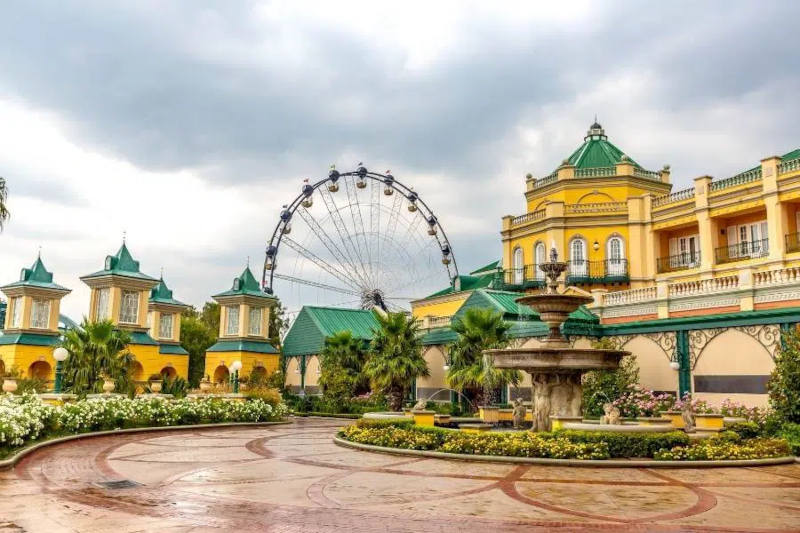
395 399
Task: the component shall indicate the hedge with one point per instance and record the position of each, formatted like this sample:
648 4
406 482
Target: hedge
628 444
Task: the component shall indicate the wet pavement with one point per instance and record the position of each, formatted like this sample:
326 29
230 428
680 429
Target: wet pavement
293 478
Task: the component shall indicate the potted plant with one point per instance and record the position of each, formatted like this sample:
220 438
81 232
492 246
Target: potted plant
155 383
9 382
205 384
108 384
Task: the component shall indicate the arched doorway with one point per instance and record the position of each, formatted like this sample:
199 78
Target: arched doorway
39 370
137 371
169 372
258 375
221 374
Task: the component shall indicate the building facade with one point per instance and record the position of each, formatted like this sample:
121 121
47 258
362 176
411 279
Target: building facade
703 279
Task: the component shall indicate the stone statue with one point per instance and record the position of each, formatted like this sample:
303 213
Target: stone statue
687 413
576 396
543 385
611 416
420 405
519 413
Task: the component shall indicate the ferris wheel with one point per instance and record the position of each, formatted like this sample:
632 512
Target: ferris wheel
358 239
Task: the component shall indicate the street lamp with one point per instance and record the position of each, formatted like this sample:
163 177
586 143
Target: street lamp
675 365
60 354
235 367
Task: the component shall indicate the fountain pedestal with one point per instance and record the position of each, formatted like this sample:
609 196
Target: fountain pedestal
555 367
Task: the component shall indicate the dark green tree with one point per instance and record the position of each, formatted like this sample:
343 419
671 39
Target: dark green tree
395 359
342 362
601 386
471 370
784 383
197 336
97 349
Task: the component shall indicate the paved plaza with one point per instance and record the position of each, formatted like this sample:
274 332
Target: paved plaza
293 478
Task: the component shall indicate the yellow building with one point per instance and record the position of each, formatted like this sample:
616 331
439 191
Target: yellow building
697 283
243 331
122 293
31 332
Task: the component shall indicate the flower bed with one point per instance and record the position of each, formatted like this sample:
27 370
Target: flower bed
565 444
25 418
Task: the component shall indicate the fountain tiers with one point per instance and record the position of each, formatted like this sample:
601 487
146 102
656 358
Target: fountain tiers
555 367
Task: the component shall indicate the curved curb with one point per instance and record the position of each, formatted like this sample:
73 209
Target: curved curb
10 462
604 463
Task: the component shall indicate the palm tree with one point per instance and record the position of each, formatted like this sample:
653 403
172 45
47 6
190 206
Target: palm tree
97 349
395 357
4 213
342 362
470 368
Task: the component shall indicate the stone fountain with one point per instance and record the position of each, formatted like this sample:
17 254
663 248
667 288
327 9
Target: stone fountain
555 367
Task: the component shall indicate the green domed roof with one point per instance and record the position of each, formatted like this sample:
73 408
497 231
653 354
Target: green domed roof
596 151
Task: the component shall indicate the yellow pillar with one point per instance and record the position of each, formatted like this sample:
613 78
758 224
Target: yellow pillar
705 226
776 213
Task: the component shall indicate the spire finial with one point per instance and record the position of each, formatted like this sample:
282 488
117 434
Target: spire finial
248 261
39 255
124 236
162 274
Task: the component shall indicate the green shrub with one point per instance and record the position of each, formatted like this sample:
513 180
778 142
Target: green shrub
784 383
716 449
384 423
791 432
628 444
746 430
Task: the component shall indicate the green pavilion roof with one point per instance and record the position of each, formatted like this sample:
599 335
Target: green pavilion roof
36 276
596 151
505 302
466 283
491 268
315 324
172 349
162 294
245 284
121 264
252 346
30 339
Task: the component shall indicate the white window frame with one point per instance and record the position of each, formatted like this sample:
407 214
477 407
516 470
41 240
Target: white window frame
40 313
129 307
518 268
102 305
258 314
539 257
615 259
16 312
579 266
166 325
231 320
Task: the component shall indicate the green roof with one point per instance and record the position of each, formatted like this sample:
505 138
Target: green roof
740 318
163 295
172 349
142 337
121 264
596 151
466 283
246 284
315 324
36 276
31 339
491 268
506 302
243 346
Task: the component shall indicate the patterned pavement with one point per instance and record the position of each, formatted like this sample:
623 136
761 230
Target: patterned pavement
293 478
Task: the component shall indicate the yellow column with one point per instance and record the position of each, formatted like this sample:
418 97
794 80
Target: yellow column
776 215
552 211
506 230
705 227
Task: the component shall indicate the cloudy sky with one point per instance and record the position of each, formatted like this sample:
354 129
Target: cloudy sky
188 124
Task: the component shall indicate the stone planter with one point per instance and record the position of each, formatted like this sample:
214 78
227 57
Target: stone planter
155 386
709 422
205 386
57 399
474 428
441 419
9 385
505 415
654 421
109 386
489 415
557 421
423 418
675 418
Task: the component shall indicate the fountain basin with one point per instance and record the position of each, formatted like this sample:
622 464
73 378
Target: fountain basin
552 359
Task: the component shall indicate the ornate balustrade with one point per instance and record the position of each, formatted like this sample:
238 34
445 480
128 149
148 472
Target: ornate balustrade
630 296
738 179
703 286
547 180
647 174
528 217
781 276
526 277
677 196
676 262
597 172
789 166
742 251
595 208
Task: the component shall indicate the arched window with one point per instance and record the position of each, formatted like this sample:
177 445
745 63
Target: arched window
615 256
539 255
578 266
518 266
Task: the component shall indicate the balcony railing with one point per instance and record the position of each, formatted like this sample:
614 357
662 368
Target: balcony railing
608 271
742 251
793 242
677 262
527 277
